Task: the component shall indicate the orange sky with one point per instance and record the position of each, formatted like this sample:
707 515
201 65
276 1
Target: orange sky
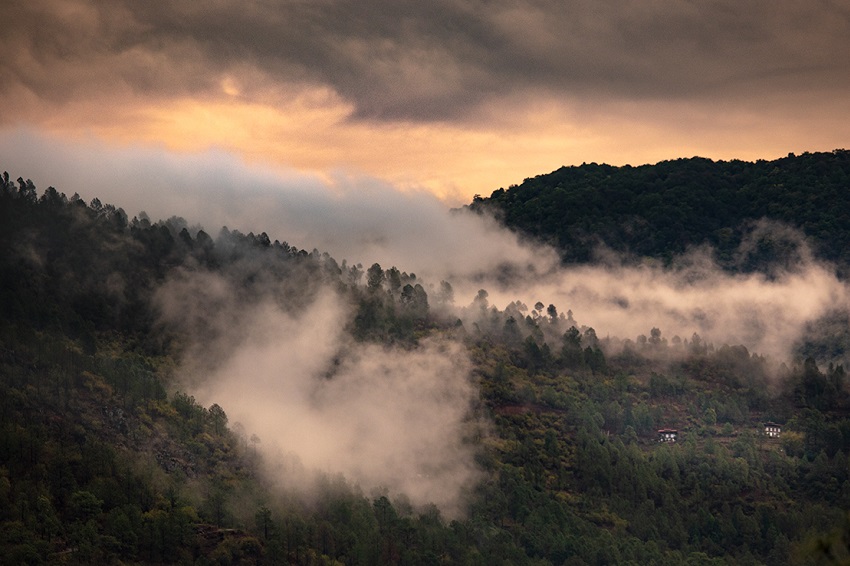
458 100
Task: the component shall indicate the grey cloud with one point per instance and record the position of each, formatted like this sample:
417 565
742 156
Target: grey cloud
434 60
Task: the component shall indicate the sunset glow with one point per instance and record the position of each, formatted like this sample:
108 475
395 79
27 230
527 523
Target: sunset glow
457 101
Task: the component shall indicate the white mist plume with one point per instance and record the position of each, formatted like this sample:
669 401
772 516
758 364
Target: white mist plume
385 418
765 313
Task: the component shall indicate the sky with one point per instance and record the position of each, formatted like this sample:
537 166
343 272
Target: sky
453 97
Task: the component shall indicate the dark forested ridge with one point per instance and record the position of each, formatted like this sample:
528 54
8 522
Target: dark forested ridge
662 210
103 461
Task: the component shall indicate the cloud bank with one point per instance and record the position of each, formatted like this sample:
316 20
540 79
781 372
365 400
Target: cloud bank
356 218
435 61
457 96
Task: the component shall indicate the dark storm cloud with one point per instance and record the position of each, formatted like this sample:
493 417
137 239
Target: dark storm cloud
431 60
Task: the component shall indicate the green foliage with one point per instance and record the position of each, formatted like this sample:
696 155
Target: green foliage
99 464
662 210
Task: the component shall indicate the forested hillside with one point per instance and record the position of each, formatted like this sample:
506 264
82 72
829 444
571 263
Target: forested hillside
662 210
105 459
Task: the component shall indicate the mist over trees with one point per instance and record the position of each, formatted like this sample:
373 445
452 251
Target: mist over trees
108 456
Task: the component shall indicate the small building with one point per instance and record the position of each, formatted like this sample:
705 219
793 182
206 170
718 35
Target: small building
772 430
667 435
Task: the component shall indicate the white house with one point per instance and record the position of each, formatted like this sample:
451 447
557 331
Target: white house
772 430
667 435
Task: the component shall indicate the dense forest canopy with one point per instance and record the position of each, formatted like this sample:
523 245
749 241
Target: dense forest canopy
114 329
662 210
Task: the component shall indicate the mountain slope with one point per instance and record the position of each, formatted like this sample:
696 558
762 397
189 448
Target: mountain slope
662 210
104 460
